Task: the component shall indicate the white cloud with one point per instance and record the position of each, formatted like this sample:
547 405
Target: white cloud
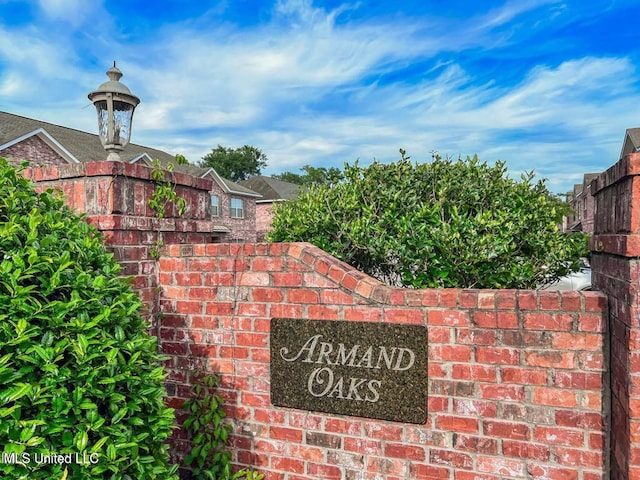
233 78
558 121
307 88
509 11
75 12
11 85
31 51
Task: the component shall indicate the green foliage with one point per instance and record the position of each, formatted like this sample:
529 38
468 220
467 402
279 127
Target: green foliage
209 458
312 176
164 194
441 224
165 191
235 164
582 244
181 159
79 373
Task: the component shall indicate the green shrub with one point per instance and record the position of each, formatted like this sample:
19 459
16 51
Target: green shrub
209 457
79 374
440 224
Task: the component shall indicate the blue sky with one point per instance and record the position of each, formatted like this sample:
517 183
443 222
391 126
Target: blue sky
548 85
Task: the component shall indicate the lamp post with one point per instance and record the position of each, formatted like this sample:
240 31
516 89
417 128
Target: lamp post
114 104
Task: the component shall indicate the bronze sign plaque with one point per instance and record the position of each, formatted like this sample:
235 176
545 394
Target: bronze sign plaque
373 370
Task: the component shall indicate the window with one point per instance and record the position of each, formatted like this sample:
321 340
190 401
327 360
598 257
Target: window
215 206
237 208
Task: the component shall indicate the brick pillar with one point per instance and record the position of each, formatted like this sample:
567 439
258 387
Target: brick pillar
615 248
114 196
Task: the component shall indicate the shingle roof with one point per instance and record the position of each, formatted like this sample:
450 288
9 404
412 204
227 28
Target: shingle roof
86 147
588 177
272 188
634 134
240 189
631 143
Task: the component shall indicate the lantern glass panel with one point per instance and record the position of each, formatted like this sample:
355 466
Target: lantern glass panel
103 121
122 117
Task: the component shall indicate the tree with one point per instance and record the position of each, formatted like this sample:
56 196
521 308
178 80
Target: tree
79 373
440 224
235 164
312 176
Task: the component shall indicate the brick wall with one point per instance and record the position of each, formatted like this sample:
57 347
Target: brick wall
516 378
522 384
616 271
114 197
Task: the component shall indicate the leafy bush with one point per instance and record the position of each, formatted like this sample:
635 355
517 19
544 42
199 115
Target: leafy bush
209 458
79 373
441 224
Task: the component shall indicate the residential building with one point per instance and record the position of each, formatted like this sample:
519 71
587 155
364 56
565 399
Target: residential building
581 200
273 191
582 204
233 208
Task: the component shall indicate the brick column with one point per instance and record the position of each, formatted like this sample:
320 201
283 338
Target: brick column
114 196
615 248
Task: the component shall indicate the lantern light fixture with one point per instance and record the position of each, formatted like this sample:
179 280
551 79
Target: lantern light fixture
114 104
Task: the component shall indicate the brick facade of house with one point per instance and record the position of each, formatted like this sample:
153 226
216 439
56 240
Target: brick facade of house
240 229
264 217
582 205
35 151
273 191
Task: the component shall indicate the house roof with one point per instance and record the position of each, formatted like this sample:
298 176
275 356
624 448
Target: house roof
631 142
589 177
580 188
271 188
229 186
77 146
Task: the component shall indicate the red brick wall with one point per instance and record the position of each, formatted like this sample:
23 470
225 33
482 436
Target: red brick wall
616 271
515 377
114 196
522 384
